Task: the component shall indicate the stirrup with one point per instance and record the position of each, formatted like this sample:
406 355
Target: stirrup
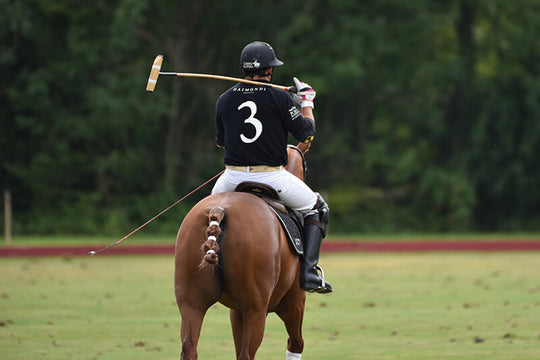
323 289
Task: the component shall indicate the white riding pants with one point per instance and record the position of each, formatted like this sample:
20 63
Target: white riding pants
291 190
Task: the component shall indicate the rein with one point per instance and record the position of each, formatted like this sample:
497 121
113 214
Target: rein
94 252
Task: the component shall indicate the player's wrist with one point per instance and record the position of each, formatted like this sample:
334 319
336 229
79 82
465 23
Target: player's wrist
307 103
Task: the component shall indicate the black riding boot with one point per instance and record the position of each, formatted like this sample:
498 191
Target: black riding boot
314 231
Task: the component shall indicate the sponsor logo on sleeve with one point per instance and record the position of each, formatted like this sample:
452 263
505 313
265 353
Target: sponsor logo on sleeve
294 112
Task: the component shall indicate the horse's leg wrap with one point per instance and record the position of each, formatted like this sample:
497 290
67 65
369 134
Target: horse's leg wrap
315 223
292 356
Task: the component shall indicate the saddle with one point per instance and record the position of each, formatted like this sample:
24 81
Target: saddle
291 221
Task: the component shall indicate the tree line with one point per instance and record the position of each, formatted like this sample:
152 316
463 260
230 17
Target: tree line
427 111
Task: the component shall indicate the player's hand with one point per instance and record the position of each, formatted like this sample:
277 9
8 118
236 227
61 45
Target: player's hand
305 94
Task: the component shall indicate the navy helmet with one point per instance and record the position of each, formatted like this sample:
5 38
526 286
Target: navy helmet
258 55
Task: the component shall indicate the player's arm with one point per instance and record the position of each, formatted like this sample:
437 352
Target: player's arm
220 131
304 97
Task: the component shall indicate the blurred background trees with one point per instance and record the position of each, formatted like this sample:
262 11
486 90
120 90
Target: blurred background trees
427 111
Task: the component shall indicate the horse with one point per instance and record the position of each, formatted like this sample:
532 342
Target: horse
252 270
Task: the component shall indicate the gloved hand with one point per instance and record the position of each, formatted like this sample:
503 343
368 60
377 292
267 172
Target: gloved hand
305 93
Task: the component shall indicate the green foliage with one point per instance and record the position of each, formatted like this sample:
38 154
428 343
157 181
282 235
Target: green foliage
432 106
448 195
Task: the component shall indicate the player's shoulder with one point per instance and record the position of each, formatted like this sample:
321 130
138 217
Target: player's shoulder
281 96
227 94
278 92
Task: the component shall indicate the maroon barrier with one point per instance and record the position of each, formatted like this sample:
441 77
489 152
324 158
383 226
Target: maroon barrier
423 246
327 247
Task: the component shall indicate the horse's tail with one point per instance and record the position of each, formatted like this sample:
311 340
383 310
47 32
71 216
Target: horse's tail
210 248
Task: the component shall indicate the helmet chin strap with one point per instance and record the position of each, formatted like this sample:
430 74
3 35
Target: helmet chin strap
266 77
271 73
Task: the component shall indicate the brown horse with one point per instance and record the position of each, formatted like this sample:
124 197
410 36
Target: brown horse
252 271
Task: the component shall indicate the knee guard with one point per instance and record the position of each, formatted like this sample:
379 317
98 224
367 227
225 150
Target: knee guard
319 216
324 211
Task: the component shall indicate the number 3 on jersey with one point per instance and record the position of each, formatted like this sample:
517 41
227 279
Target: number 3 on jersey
251 120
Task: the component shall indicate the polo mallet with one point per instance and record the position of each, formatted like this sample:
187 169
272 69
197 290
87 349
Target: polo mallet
156 67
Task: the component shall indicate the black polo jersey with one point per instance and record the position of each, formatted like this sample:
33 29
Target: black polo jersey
253 122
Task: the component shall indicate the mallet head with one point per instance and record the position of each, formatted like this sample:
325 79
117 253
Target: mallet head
154 73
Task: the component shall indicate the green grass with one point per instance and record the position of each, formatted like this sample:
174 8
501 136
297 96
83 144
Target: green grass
385 306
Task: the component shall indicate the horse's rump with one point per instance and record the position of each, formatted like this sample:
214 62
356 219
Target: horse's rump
252 249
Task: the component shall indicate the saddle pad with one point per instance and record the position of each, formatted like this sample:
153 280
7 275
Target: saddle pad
292 230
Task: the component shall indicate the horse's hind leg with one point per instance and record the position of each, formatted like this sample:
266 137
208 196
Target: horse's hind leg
190 331
237 329
248 332
291 311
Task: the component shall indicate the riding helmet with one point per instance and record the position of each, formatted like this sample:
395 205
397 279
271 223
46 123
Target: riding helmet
258 55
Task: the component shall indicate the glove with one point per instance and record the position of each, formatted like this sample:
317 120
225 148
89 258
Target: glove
304 93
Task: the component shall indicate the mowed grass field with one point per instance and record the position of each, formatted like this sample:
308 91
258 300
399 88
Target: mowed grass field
385 306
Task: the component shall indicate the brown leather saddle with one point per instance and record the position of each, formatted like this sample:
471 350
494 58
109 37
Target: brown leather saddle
291 221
